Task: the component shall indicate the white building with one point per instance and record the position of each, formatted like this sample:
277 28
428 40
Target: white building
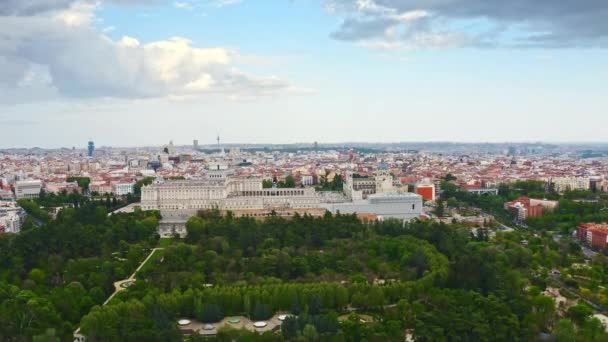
122 189
223 194
11 217
307 180
178 200
6 195
400 205
28 189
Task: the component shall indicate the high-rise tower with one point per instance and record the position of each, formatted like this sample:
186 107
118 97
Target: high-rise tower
91 149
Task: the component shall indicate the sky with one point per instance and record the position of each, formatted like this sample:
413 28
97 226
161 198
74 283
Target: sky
143 72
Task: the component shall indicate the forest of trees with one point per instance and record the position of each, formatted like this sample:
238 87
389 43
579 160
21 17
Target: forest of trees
439 280
448 282
50 276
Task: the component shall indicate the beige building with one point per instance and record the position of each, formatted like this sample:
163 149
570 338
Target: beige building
28 189
357 188
561 184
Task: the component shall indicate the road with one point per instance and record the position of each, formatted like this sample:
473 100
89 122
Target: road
118 286
506 228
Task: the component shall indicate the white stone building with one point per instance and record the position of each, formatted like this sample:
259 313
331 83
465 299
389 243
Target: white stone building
11 217
223 194
180 199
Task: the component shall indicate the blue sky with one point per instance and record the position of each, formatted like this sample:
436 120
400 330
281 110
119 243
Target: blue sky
301 71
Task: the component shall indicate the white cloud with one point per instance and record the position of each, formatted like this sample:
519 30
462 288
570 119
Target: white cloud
411 15
223 3
190 5
183 5
127 42
79 14
204 82
75 60
381 45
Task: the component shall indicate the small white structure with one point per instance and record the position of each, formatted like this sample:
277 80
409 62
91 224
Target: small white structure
183 322
603 319
260 325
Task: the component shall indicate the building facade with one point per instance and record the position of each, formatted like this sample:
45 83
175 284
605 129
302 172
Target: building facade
427 191
524 207
123 189
356 187
223 194
11 217
182 199
561 184
595 235
28 189
403 205
90 149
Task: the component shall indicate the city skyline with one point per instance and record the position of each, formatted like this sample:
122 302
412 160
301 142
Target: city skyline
303 170
383 70
381 145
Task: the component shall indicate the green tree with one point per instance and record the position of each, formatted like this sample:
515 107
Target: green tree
310 333
48 336
83 182
449 177
579 313
439 209
564 331
289 328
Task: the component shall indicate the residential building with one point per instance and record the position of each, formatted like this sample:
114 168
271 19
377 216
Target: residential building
426 190
561 184
63 186
6 194
524 207
594 234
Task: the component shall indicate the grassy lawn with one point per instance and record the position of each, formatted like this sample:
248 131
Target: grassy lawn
165 242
